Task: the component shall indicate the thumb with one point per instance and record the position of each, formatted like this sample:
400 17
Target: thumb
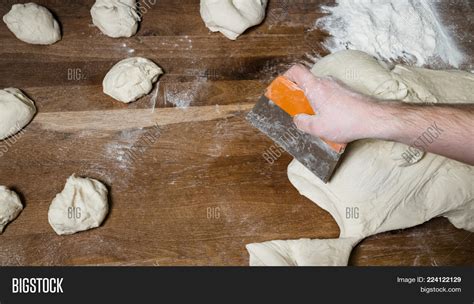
304 122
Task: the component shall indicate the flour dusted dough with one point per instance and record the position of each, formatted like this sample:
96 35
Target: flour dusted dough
303 252
388 193
16 111
33 24
116 18
131 79
82 205
10 206
232 17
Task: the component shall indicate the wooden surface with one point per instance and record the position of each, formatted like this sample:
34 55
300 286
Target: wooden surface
187 186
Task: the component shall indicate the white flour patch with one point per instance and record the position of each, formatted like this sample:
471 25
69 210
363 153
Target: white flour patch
127 49
219 138
183 97
122 151
410 30
188 43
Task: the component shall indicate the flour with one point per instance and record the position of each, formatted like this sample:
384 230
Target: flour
183 97
124 149
154 97
409 30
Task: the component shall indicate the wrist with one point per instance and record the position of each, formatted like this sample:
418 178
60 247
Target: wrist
379 120
388 121
374 120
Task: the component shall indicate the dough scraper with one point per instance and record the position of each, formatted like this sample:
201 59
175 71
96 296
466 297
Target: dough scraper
273 115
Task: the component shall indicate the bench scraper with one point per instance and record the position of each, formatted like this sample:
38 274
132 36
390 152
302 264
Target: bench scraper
273 115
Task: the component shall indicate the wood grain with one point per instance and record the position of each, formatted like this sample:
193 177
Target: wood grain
187 186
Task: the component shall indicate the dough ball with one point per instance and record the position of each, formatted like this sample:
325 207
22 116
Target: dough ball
131 79
116 18
16 111
10 206
33 24
232 17
82 205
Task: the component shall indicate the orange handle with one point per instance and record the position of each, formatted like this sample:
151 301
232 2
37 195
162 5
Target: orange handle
291 99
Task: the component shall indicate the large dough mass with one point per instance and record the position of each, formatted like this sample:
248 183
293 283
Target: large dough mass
82 205
33 24
16 111
388 192
232 17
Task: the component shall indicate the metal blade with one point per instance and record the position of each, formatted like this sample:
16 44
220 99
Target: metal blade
311 151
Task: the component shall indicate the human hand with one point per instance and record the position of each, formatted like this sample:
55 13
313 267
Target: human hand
342 115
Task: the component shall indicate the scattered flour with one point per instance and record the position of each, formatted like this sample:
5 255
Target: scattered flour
409 30
128 49
122 149
154 96
182 97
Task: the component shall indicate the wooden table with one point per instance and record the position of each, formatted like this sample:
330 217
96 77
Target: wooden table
188 186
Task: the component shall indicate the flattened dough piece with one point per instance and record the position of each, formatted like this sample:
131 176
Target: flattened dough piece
131 79
16 111
32 23
82 205
10 206
116 18
232 17
303 252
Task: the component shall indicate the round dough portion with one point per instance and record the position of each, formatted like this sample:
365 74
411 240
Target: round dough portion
10 206
16 111
232 17
131 79
33 24
82 205
116 18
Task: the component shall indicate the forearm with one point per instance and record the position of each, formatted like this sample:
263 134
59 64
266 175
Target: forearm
447 130
344 116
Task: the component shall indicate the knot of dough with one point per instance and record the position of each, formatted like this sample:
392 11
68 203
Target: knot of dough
10 206
116 18
232 17
82 205
131 79
16 111
32 23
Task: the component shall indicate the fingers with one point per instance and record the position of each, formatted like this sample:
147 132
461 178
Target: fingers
305 123
300 75
313 125
311 85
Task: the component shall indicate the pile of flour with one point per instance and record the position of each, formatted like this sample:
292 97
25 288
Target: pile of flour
409 30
